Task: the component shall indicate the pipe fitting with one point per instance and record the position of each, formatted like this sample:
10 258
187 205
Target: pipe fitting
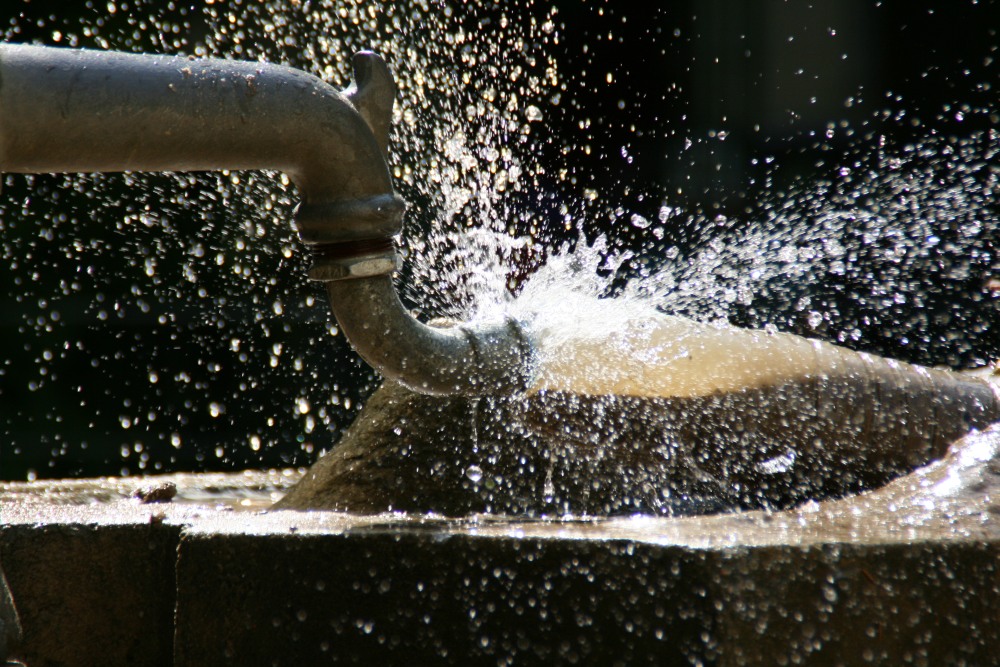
328 269
66 110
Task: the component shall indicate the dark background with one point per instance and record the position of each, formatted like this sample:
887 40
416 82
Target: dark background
799 90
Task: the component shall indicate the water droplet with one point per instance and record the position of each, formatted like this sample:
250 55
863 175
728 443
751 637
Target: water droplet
640 222
474 473
533 114
778 464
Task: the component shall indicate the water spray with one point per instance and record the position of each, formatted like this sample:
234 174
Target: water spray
68 110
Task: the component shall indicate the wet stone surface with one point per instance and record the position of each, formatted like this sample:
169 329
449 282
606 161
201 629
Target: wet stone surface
558 453
903 574
837 583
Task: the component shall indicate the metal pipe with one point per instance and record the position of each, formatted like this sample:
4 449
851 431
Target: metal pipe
64 110
67 110
432 360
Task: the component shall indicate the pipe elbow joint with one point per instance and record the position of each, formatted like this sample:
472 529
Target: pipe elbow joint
353 253
473 359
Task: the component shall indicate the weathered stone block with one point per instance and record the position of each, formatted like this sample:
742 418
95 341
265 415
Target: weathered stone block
92 594
921 603
554 593
411 597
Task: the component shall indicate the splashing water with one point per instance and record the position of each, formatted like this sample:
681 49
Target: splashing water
893 235
161 312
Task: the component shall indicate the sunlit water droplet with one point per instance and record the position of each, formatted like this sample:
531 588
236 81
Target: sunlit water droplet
778 464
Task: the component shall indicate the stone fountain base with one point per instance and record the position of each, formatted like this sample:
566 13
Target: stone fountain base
553 453
905 575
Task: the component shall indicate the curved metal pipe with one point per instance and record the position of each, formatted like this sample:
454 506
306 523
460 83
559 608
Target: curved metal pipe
65 110
431 360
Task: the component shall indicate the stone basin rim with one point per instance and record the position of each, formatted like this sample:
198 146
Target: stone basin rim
821 525
954 499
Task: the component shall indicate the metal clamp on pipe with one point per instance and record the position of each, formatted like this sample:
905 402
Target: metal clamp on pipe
351 239
66 110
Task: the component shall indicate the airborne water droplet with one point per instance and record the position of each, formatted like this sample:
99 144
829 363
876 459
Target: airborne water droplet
640 222
778 464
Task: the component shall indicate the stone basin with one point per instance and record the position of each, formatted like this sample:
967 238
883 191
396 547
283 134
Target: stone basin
907 574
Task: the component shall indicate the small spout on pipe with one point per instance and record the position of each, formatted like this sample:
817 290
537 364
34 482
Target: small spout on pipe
373 94
66 110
